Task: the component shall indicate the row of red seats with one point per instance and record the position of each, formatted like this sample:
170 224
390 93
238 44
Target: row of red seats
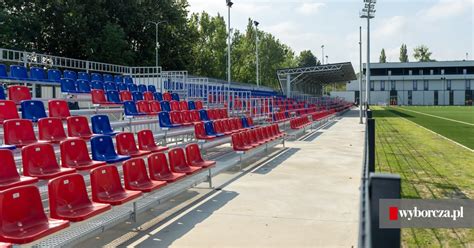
300 122
250 139
219 128
56 108
69 200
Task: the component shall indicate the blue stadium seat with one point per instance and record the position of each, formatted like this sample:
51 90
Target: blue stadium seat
122 87
18 72
210 131
54 75
37 74
132 87
113 96
158 96
191 105
165 121
175 96
137 96
83 75
68 86
83 86
70 74
110 86
8 147
245 123
151 88
102 148
127 80
3 72
108 77
97 85
101 125
165 106
130 109
203 115
32 110
142 88
118 78
2 93
96 77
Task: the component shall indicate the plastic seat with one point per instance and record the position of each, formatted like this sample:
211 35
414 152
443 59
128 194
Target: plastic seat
3 72
238 144
107 188
68 86
159 169
18 72
148 96
70 74
96 77
199 105
39 161
137 96
130 109
165 106
178 164
211 114
54 75
78 126
18 93
32 110
142 88
37 74
68 199
26 221
125 95
109 86
132 87
83 76
175 106
19 132
107 77
175 96
51 130
167 96
8 111
128 80
58 109
194 158
165 121
97 85
194 116
200 132
118 78
151 88
102 148
203 115
122 87
209 126
9 176
177 118
158 96
101 125
83 86
136 177
74 154
146 142
99 98
144 108
113 97
3 96
191 105
155 106
126 145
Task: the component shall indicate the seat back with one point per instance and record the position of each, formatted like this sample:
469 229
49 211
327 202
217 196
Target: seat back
58 108
134 172
155 106
165 106
151 88
186 116
83 76
130 108
191 105
158 165
97 85
175 106
143 107
110 86
51 129
195 117
118 78
212 114
177 158
199 105
37 74
8 111
98 96
244 122
18 72
167 96
32 110
101 124
83 86
105 181
126 144
128 80
3 71
176 117
125 95
209 126
142 88
3 96
237 141
164 119
102 147
70 74
18 93
74 152
39 159
137 96
193 153
78 126
8 171
145 140
96 77
113 97
148 96
250 121
203 115
158 96
199 130
107 77
68 85
132 87
122 87
175 97
18 131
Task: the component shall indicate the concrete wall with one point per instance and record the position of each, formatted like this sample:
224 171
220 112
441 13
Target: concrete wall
428 97
459 97
418 98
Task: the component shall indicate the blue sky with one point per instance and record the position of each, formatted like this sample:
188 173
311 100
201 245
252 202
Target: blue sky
445 26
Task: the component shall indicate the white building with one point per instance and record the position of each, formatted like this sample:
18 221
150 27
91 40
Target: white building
416 83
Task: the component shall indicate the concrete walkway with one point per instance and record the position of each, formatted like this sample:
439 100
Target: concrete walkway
305 197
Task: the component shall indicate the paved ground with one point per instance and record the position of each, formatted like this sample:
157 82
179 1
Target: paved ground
305 197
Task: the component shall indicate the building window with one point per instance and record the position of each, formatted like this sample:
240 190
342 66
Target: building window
389 72
393 85
371 85
464 71
431 72
415 85
448 85
442 71
410 72
382 85
421 71
426 85
468 84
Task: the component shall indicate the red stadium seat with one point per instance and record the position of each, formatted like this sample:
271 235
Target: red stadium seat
78 126
238 144
199 105
144 107
175 106
39 161
200 132
125 95
146 142
126 145
159 169
177 118
167 96
136 177
178 162
51 130
148 96
183 105
194 115
9 176
59 109
74 154
194 158
155 106
68 199
19 132
8 111
18 93
98 97
24 220
107 188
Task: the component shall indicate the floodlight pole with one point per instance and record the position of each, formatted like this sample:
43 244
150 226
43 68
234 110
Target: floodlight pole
322 55
368 12
360 74
157 44
256 52
229 5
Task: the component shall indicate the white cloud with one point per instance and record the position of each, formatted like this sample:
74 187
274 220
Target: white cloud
392 26
447 9
310 8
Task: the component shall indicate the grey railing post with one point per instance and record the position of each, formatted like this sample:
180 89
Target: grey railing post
371 143
383 186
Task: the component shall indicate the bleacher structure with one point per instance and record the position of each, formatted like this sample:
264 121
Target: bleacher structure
89 145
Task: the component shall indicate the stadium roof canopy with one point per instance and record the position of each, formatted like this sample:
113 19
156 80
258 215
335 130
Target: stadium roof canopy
310 80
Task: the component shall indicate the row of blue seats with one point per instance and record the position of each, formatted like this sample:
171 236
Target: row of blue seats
84 86
19 72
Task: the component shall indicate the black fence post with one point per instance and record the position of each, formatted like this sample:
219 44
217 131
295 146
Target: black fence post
371 143
369 113
383 186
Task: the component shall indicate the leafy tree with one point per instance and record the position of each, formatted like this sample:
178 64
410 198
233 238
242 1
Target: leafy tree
422 53
403 53
383 58
307 59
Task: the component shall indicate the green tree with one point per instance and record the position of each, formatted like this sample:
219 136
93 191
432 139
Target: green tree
422 53
307 59
383 57
403 53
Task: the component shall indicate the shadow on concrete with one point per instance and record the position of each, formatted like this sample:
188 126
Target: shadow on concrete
184 224
272 164
312 136
329 125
